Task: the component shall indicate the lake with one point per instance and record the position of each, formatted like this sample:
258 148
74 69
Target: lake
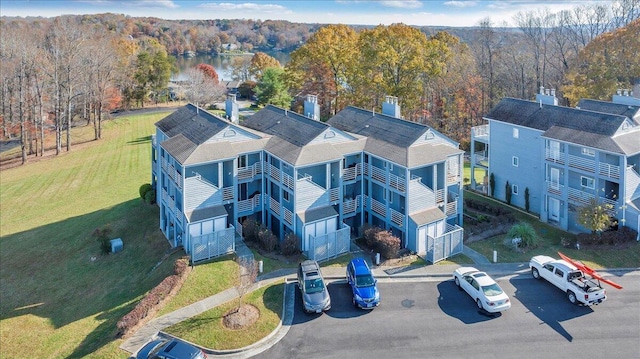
222 64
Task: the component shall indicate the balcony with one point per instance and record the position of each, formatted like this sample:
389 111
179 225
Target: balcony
278 175
351 205
397 218
481 160
554 156
581 163
249 205
555 188
480 132
583 198
607 170
351 173
451 208
250 172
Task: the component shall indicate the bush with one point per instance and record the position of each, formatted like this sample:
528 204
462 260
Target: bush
250 229
153 298
527 234
267 239
387 244
102 236
144 189
289 245
150 197
369 234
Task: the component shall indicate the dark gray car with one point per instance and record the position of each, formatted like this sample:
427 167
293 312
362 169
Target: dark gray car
314 292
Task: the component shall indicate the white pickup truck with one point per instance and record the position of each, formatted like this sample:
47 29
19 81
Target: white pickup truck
580 288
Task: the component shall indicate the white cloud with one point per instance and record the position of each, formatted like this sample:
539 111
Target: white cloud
461 4
270 8
404 4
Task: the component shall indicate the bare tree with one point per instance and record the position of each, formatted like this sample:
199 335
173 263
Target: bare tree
201 89
247 275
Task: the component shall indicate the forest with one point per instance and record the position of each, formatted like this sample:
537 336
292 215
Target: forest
75 70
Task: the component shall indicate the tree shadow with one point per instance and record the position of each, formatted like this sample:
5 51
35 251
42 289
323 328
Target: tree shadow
57 271
140 140
553 309
456 303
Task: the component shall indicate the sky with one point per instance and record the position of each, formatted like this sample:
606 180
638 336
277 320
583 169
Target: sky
455 13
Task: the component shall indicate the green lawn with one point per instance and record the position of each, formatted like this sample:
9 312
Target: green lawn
55 301
550 245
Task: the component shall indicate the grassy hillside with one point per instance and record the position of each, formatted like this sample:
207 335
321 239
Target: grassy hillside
55 300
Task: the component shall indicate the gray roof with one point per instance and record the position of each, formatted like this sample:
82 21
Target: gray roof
290 133
317 214
391 138
195 124
588 128
200 214
610 107
427 216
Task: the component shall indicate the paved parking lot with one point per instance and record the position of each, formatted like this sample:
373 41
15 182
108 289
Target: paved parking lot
433 318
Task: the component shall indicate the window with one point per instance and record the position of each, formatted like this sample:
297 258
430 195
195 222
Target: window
242 161
330 134
230 133
285 195
429 135
515 161
587 182
516 133
514 189
588 152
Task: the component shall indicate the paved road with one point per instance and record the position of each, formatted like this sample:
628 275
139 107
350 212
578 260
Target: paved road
434 319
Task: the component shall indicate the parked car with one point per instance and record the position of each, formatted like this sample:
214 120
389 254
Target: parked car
363 284
315 295
170 349
485 291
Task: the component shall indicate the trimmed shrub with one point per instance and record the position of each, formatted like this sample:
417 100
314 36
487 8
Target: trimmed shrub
369 233
289 245
507 193
144 189
526 199
153 298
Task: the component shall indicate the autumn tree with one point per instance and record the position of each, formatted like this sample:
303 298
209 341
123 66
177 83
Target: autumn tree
153 70
607 63
595 216
396 60
260 62
208 71
241 66
329 59
272 88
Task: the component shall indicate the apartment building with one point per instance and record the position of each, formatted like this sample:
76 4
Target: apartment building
559 158
295 174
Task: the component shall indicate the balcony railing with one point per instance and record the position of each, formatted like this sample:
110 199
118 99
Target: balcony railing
378 174
248 173
351 205
334 195
439 195
397 218
451 208
585 164
274 205
583 198
555 188
481 160
554 156
351 173
249 205
480 131
288 216
397 182
607 170
378 208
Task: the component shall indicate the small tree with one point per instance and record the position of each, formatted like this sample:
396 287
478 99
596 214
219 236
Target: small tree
492 184
102 235
526 199
507 192
595 216
526 233
247 275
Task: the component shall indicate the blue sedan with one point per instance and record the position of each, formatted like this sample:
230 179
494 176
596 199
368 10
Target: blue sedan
363 284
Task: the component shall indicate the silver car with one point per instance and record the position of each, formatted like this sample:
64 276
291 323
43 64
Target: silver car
314 292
